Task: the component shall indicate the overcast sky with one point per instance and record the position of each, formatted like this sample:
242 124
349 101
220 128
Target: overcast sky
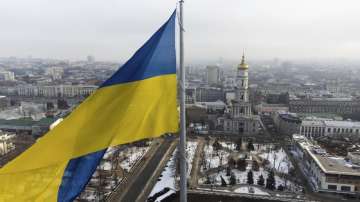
114 29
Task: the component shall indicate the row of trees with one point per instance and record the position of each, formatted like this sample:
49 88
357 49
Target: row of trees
269 183
249 146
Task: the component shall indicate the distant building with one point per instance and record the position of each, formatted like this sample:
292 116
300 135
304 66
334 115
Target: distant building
265 108
213 75
90 59
7 76
208 94
56 73
318 128
36 128
212 106
6 144
325 172
4 102
325 105
55 91
190 95
239 119
287 123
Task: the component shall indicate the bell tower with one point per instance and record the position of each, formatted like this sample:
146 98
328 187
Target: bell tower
242 81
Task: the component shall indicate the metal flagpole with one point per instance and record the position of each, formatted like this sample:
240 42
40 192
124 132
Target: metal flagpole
182 148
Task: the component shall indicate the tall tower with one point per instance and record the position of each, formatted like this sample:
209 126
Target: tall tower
242 80
241 105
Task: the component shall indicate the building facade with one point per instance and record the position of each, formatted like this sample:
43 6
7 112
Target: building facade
55 91
325 105
209 94
317 128
287 123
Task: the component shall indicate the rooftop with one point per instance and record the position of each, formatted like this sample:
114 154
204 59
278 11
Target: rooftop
329 164
332 123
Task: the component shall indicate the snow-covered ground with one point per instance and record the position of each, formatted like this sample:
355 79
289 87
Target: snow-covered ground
276 156
246 190
278 160
214 159
129 156
190 152
167 179
228 145
241 177
132 155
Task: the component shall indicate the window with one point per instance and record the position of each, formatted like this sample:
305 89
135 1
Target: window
345 188
332 187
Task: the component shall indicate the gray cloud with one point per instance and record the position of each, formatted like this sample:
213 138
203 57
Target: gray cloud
114 29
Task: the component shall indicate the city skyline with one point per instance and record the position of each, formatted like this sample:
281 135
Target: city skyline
112 31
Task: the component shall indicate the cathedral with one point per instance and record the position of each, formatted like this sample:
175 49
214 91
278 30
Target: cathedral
238 118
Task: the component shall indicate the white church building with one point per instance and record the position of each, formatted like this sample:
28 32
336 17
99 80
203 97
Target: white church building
239 118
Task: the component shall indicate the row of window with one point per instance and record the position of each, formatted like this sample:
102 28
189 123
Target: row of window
321 130
342 188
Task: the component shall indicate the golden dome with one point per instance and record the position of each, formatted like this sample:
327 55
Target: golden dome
243 65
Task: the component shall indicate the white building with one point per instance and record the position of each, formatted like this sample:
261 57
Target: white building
6 144
239 119
56 73
325 172
325 127
7 76
55 91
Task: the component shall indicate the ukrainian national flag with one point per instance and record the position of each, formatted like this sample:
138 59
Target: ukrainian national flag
137 102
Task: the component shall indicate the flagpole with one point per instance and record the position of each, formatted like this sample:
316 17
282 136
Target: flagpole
182 148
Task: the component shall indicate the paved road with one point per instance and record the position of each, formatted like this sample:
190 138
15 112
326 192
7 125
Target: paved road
196 163
138 185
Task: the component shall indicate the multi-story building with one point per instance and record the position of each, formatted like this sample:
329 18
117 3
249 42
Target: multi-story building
7 76
326 127
212 75
55 91
287 123
217 106
325 172
239 119
325 105
56 73
209 94
266 108
4 102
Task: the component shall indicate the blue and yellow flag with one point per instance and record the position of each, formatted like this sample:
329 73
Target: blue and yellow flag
137 102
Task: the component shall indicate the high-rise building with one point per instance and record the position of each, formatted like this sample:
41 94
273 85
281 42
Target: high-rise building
212 75
90 59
